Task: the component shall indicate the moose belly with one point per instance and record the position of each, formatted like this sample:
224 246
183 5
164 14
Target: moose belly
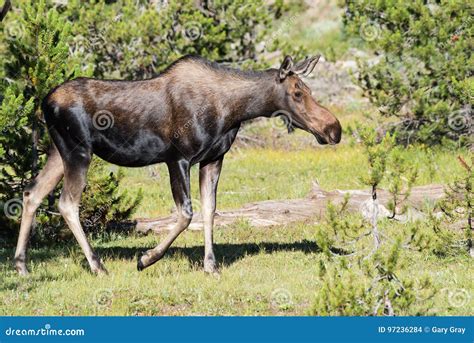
138 150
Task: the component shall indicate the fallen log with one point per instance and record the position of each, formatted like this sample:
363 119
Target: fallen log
310 209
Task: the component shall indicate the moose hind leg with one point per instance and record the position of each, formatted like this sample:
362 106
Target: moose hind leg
208 179
33 195
74 184
180 187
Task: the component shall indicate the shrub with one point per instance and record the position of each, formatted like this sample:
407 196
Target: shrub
423 76
366 280
342 292
104 204
37 59
458 204
357 279
362 285
135 40
448 232
432 236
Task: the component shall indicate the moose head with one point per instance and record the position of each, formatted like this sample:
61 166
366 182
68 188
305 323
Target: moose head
297 103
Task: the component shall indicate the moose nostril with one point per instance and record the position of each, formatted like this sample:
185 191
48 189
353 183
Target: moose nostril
334 133
336 136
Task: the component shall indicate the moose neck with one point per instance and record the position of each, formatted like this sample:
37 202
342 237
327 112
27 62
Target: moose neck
251 97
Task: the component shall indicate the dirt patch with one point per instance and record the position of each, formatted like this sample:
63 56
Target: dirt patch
309 209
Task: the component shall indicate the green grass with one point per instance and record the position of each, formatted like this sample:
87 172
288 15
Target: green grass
257 266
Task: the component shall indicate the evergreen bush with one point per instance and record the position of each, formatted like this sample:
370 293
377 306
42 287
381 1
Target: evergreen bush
422 76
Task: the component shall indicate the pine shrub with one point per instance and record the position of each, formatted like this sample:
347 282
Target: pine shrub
37 58
422 75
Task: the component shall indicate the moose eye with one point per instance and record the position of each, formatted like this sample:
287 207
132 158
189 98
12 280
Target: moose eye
298 95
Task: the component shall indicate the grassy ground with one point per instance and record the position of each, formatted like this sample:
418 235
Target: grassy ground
259 267
263 272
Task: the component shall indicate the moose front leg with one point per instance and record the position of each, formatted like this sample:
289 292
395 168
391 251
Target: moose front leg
180 187
208 179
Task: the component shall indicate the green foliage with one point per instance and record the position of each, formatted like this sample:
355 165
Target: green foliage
104 204
433 237
423 75
377 152
393 294
341 231
449 231
345 289
386 294
387 162
359 280
341 292
369 285
401 175
458 204
36 60
131 40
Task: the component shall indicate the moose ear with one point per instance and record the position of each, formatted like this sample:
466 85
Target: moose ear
306 66
285 68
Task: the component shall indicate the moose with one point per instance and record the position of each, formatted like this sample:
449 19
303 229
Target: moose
188 114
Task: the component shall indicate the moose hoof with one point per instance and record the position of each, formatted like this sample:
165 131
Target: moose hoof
140 265
143 261
147 258
21 269
99 269
210 266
